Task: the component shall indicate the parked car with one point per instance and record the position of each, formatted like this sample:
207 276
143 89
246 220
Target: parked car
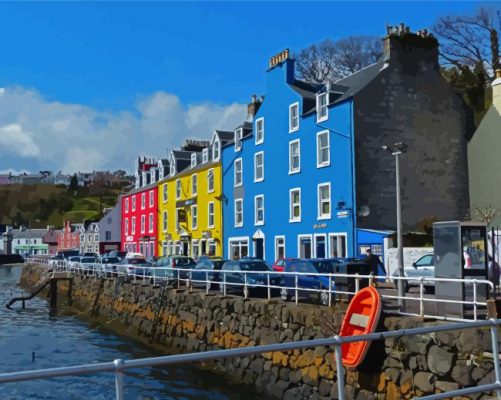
119 254
213 264
306 266
90 266
234 275
281 263
135 269
74 262
424 267
109 265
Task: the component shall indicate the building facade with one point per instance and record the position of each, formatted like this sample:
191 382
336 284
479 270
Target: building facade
288 175
89 238
50 239
29 242
110 227
190 203
69 237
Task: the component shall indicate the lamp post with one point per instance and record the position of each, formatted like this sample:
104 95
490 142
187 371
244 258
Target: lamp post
396 151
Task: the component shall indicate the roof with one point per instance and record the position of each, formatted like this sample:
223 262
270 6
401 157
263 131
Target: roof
306 89
182 154
29 233
142 189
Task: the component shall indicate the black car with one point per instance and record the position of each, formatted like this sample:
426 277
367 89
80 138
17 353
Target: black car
246 274
199 276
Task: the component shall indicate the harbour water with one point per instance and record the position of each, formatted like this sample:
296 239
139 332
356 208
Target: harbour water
30 339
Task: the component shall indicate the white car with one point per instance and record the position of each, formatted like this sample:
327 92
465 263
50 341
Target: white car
424 267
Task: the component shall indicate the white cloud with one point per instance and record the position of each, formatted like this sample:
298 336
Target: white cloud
14 171
73 137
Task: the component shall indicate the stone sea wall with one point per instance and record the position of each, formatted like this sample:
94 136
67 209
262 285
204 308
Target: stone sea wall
180 321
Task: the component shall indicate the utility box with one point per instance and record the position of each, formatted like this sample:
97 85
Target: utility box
460 252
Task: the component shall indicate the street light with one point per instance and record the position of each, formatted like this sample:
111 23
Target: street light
398 148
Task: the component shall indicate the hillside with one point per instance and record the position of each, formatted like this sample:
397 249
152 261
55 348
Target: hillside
42 205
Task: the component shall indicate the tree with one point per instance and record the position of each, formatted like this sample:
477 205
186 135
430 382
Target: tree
73 184
471 41
334 60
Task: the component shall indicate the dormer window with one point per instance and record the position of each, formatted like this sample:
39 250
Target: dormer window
239 133
259 130
205 155
294 117
193 160
215 151
322 107
153 175
172 168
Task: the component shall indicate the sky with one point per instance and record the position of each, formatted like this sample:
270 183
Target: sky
91 86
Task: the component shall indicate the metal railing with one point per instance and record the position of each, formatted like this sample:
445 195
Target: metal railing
288 285
119 366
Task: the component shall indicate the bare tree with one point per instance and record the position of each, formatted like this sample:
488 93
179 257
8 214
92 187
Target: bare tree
471 41
334 60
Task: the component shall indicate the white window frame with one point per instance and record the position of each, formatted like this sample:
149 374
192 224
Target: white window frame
291 127
172 168
178 225
321 216
241 224
276 246
126 227
238 136
314 249
298 169
165 221
210 189
319 108
194 184
256 179
178 189
205 155
240 162
134 203
133 226
338 234
256 221
143 223
143 200
321 164
152 199
193 160
165 192
127 205
151 223
259 139
216 150
194 216
291 205
299 237
211 214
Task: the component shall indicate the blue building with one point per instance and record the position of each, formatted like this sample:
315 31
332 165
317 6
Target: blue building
288 173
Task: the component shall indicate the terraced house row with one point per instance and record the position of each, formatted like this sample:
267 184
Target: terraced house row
304 174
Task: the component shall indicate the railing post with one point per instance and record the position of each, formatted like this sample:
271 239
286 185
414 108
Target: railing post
371 279
207 282
188 283
330 293
224 283
339 370
421 297
474 299
295 289
495 353
246 290
268 282
119 379
357 283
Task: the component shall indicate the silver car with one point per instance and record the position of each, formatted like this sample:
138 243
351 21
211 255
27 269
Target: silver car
424 267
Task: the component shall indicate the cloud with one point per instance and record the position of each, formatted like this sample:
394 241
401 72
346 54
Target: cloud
72 137
14 171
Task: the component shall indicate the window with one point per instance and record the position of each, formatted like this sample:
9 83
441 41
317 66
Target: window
193 159
304 246
143 223
133 226
165 192
212 247
195 249
178 189
293 117
323 149
322 107
259 167
126 226
150 226
210 215
143 201
259 210
152 198
133 203
172 167
238 172
210 181
324 201
194 217
215 151
165 221
82 239
205 155
127 205
194 184
295 205
178 219
259 130
279 247
320 249
96 237
294 157
239 220
238 248
337 245
239 133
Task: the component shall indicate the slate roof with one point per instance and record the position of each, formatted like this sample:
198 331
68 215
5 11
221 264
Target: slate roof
28 234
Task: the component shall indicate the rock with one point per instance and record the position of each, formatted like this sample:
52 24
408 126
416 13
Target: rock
406 382
365 395
461 373
393 374
489 378
478 373
391 362
446 386
277 389
310 375
325 387
418 363
440 360
424 381
292 394
257 365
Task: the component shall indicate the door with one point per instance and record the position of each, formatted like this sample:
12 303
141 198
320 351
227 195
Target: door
304 247
320 245
259 248
423 267
185 248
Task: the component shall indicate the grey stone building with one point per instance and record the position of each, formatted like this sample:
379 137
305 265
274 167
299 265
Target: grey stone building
110 229
404 98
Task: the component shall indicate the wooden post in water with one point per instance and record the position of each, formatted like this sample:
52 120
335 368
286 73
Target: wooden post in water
53 296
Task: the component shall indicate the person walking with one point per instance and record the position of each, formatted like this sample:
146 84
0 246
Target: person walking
374 262
494 271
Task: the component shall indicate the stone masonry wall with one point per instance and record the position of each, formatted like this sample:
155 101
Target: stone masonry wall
179 321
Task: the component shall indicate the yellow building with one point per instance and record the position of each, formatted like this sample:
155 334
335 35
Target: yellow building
189 203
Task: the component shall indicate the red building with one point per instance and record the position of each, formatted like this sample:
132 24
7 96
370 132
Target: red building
69 237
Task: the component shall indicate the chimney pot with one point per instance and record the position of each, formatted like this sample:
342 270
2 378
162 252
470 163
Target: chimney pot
253 98
498 73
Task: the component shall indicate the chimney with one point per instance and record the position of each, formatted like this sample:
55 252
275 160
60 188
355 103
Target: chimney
496 91
408 50
253 106
281 66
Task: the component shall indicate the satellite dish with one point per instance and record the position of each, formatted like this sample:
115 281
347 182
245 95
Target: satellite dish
363 211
